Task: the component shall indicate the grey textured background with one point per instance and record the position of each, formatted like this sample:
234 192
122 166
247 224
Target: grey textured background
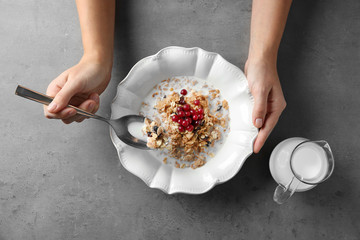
65 182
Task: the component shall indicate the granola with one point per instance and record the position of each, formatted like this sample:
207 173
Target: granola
187 124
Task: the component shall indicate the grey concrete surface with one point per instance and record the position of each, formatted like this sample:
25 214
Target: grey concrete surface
65 181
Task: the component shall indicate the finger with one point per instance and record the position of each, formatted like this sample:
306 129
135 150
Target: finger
53 88
265 131
88 105
95 97
68 115
91 105
75 101
260 106
63 114
57 84
63 97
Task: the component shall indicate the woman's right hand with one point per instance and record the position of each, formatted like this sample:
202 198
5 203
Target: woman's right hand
80 86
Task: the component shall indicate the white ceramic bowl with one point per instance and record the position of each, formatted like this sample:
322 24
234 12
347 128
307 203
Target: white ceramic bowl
237 147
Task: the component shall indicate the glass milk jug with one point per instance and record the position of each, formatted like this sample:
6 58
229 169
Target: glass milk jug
298 164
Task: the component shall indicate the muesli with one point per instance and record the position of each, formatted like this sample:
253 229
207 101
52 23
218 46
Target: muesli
186 122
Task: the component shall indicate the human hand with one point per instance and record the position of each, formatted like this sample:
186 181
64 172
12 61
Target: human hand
265 86
80 86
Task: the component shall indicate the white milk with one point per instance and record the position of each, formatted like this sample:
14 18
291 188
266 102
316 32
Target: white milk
310 162
135 129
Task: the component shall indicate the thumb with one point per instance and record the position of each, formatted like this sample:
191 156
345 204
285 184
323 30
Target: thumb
62 98
260 107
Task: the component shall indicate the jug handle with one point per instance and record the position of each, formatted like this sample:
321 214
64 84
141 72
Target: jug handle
283 193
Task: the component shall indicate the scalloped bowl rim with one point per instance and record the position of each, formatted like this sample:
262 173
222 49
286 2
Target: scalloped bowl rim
169 190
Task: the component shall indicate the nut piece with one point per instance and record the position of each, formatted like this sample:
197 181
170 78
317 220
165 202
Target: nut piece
225 104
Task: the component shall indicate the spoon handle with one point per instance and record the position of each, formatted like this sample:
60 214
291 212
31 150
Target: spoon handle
44 99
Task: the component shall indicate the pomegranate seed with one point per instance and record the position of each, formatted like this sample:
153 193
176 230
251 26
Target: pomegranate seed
190 128
175 118
183 92
180 109
197 102
179 121
196 122
181 128
195 117
192 112
187 107
185 123
187 114
200 116
200 111
181 114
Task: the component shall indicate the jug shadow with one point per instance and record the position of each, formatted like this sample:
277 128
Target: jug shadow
334 198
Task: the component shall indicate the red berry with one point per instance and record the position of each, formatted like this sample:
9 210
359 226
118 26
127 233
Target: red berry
197 102
181 128
187 107
183 92
179 109
181 114
179 121
200 111
195 117
185 123
175 118
197 122
187 114
188 119
190 128
200 116
192 111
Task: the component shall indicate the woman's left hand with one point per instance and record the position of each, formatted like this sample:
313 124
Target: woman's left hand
265 86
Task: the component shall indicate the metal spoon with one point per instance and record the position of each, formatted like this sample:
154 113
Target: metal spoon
119 125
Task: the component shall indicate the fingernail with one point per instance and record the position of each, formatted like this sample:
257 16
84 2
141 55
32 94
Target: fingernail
91 107
258 123
52 106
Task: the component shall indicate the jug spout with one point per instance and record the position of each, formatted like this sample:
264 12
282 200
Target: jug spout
329 161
